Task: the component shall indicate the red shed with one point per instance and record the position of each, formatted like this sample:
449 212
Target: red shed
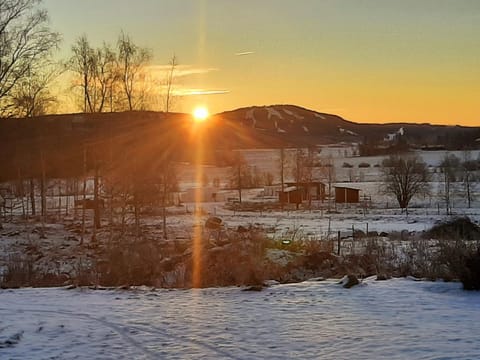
346 195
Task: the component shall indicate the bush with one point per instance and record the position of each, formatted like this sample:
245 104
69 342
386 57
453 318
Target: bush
470 277
459 228
364 165
347 165
19 272
458 258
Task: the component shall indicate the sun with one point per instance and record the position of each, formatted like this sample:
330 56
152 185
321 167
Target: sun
200 113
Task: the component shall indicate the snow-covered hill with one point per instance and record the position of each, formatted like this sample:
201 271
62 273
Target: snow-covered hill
293 121
303 125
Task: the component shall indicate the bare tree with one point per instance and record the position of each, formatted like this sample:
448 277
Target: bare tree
166 184
97 73
132 61
82 63
327 171
240 176
305 161
282 165
25 40
109 78
449 167
173 63
404 177
302 165
469 167
105 69
31 96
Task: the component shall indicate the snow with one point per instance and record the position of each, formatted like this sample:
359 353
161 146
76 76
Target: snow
393 136
291 113
382 216
394 319
305 128
250 116
349 132
317 223
272 112
320 116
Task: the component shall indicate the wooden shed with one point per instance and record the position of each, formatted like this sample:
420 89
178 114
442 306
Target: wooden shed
346 195
313 190
290 195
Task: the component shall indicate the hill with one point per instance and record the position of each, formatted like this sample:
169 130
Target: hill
62 145
302 125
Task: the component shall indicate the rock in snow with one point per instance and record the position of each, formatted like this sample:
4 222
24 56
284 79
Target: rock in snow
253 288
268 283
349 281
12 340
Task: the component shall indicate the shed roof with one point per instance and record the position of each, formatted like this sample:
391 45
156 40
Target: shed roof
346 187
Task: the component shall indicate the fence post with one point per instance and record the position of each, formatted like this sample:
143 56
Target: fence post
338 243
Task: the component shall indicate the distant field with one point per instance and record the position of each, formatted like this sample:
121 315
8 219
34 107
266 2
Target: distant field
268 160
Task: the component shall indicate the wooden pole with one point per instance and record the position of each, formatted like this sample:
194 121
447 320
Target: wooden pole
338 243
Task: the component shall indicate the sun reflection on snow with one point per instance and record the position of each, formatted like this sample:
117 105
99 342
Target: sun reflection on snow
197 231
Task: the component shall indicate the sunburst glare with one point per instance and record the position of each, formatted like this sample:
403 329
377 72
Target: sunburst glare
200 113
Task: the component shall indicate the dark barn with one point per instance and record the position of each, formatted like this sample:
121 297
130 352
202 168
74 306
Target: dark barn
291 195
346 195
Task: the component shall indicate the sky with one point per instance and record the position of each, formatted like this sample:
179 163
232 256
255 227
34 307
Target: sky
365 60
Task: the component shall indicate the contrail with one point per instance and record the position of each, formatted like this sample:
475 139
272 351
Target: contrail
245 53
203 92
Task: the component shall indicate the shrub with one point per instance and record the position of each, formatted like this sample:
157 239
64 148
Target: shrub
347 165
471 274
459 260
19 272
459 228
364 165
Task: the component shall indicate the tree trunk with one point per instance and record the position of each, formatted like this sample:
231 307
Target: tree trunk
282 174
137 216
164 205
32 196
96 199
84 193
447 191
469 195
43 194
240 183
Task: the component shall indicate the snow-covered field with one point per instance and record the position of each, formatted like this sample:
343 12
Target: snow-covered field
395 319
379 212
269 160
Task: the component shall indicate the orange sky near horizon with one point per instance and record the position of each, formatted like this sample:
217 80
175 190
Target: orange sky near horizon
367 61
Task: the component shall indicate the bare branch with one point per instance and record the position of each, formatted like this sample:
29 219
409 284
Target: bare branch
25 41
